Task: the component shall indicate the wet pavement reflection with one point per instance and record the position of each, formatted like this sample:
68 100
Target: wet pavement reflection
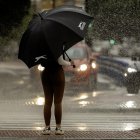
109 107
129 126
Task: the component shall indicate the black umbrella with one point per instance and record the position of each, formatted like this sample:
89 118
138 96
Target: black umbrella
48 32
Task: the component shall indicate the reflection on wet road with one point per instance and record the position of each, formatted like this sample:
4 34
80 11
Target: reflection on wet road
107 108
37 101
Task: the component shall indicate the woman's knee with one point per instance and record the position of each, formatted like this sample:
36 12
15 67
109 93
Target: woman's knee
57 102
48 102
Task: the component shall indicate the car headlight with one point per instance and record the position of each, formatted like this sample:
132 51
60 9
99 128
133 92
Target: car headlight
125 74
83 67
130 70
40 68
93 65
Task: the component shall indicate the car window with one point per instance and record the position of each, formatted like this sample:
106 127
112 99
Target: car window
77 53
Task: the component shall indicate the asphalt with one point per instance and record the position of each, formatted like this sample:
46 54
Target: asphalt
106 113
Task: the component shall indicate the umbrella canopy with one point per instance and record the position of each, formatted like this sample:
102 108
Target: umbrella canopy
33 45
48 32
73 17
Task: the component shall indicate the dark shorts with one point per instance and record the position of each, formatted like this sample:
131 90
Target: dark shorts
53 81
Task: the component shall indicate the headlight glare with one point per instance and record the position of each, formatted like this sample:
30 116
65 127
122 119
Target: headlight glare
130 70
93 64
83 67
125 74
40 68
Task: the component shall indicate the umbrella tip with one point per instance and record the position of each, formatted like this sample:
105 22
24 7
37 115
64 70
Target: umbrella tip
40 16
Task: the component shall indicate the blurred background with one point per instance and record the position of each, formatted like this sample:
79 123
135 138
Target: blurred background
106 77
115 29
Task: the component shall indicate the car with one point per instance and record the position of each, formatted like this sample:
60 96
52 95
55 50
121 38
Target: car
132 77
86 70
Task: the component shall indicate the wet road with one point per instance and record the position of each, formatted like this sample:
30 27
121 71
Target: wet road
107 108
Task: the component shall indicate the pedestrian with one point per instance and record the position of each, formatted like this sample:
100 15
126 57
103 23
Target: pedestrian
42 43
53 81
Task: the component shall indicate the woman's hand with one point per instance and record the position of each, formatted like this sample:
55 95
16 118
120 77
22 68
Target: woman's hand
72 63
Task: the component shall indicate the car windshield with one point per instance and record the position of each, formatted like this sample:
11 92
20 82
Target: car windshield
77 53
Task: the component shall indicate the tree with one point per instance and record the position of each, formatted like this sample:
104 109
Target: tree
114 19
12 13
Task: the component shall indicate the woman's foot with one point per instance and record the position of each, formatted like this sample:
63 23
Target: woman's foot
59 131
46 131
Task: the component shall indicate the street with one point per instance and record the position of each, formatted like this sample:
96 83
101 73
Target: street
107 108
96 42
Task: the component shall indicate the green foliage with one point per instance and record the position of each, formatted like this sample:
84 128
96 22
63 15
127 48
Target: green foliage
114 18
14 15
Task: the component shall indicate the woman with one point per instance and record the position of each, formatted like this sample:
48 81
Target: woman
53 81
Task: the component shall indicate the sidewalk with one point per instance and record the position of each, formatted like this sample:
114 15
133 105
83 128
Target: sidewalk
70 135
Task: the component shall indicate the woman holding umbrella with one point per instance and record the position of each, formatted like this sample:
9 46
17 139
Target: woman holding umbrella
43 42
53 82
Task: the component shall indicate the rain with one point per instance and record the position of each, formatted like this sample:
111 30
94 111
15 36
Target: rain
102 91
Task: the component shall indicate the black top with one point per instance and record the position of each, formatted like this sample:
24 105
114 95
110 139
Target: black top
50 64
